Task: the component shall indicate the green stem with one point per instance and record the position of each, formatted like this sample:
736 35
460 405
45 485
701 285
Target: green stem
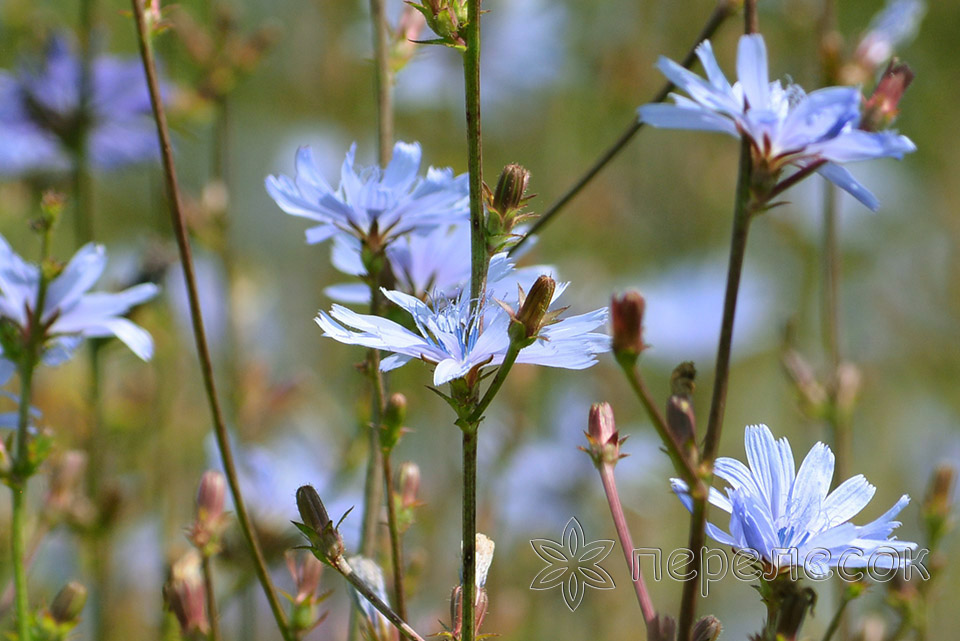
675 449
396 547
723 10
203 349
469 534
383 80
479 258
372 497
498 380
19 567
211 598
742 215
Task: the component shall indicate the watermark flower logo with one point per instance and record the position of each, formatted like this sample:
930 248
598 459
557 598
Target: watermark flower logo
573 564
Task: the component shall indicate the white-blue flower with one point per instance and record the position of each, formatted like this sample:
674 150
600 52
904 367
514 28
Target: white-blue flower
70 312
785 125
457 340
789 517
370 201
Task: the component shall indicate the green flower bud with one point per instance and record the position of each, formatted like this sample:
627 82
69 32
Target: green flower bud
69 603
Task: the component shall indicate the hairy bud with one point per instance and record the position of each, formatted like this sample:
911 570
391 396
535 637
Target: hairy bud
708 628
881 108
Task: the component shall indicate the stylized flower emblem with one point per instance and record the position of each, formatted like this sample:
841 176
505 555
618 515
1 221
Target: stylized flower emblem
573 564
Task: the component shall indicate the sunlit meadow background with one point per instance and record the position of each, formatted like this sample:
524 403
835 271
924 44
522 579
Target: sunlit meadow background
562 79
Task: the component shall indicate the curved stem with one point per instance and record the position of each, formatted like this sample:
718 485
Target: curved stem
203 350
498 380
724 9
396 547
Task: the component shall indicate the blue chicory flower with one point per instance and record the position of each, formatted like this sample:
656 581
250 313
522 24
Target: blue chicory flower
41 125
369 201
70 313
785 125
789 517
456 339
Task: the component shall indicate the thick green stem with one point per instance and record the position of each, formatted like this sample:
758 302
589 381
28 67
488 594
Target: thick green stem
372 492
837 616
383 79
19 488
724 9
203 349
469 534
479 258
743 213
396 547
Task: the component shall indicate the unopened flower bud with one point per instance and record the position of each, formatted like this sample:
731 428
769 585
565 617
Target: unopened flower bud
602 436
408 483
184 594
69 603
394 416
51 206
211 495
511 187
680 417
317 526
708 628
626 314
881 109
210 519
533 314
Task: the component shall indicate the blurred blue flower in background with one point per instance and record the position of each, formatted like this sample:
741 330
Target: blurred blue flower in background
69 312
895 25
44 127
456 339
775 508
371 202
784 125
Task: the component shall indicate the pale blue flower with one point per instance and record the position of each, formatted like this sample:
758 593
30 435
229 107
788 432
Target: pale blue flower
369 201
70 312
775 508
895 25
785 125
457 340
40 120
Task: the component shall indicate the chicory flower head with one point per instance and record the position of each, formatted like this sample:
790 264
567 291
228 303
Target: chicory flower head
457 339
788 517
370 202
42 125
70 312
784 125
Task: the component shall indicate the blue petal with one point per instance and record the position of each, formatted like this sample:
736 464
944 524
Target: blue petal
847 500
674 117
402 170
843 179
812 484
752 71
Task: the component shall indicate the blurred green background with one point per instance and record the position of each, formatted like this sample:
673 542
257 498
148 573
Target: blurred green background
561 80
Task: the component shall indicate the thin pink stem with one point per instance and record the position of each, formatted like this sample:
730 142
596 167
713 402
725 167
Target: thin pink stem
626 542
